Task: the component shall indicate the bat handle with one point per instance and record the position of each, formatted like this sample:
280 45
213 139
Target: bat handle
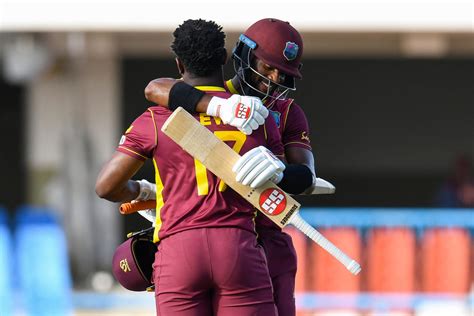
316 236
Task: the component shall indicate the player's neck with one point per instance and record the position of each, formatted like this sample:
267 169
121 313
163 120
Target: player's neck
216 79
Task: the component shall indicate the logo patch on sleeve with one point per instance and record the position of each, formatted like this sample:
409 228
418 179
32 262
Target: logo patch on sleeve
272 201
276 116
122 140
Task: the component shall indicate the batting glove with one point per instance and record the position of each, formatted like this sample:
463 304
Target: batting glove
244 112
147 191
150 215
258 166
320 186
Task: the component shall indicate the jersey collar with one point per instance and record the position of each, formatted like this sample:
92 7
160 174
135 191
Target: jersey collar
210 88
230 87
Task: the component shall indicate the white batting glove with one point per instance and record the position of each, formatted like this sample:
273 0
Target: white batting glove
244 112
147 191
150 215
258 166
321 186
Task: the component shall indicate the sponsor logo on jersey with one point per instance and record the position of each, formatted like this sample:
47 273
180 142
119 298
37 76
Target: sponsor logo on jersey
304 136
124 265
276 116
272 201
291 51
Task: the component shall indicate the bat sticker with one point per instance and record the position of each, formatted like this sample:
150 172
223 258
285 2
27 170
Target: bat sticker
272 201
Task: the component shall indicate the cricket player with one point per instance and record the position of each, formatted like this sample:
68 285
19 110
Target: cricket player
267 59
208 260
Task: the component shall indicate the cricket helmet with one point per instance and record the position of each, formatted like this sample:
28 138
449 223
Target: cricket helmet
132 263
277 44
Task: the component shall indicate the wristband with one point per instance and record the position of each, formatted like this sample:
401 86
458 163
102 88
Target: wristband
184 95
296 179
146 190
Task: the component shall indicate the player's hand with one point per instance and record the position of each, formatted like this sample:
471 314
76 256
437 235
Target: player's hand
244 112
147 191
258 166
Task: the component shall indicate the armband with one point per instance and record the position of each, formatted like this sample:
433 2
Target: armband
296 179
184 95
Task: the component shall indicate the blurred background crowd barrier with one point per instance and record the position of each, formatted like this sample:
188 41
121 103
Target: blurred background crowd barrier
413 259
415 262
388 92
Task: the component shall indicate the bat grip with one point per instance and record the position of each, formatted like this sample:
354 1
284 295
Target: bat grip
322 241
129 208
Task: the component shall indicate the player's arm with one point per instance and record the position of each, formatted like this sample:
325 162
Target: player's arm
304 157
261 164
136 145
113 182
244 112
158 91
298 149
298 175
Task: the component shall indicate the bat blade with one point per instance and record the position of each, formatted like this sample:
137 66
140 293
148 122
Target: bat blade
269 199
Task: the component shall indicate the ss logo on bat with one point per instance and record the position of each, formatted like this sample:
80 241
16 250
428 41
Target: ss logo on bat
272 201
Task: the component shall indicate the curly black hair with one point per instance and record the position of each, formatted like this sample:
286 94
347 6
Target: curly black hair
199 44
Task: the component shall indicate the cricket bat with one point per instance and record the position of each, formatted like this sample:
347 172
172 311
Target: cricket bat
269 199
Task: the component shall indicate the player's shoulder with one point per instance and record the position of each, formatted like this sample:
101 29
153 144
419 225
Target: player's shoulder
157 110
290 106
287 110
152 114
295 106
295 114
282 105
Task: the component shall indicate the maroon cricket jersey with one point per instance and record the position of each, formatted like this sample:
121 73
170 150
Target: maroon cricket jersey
294 130
188 195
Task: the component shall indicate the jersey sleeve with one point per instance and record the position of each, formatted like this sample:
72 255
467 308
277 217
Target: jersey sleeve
273 138
296 129
140 139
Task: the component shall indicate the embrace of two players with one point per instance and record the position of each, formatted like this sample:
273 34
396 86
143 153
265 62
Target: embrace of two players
209 260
